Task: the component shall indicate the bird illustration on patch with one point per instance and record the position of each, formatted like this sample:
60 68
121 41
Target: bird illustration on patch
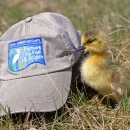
16 57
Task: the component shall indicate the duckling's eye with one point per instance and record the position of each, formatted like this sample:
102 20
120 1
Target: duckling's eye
90 41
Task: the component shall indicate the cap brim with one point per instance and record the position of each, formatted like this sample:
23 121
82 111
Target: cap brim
42 93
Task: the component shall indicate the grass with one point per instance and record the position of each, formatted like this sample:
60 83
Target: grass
83 110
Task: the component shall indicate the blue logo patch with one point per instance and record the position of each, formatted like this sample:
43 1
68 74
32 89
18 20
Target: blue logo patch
25 52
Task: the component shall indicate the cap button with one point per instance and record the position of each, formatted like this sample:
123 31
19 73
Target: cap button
28 19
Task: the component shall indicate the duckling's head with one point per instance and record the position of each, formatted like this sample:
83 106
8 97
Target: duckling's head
94 41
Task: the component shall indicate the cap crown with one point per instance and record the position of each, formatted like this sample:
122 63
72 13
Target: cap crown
38 45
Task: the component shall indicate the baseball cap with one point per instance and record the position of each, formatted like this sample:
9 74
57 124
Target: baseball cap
36 63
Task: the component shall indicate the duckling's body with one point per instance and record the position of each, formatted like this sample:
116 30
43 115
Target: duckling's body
97 71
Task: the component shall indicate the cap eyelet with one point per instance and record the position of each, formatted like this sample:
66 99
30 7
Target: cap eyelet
29 19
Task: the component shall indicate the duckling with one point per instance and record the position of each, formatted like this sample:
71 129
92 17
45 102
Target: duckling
97 71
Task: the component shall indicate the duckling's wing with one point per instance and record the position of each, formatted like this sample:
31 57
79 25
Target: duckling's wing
118 79
115 82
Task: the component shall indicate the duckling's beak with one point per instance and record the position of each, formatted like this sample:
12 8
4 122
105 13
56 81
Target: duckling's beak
80 47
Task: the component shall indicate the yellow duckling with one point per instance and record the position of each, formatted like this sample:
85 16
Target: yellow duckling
97 70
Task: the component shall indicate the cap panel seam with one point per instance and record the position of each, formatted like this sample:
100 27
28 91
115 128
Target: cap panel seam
64 35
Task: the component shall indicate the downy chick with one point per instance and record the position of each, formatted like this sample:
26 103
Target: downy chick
98 71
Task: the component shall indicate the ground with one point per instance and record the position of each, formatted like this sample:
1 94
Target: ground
83 109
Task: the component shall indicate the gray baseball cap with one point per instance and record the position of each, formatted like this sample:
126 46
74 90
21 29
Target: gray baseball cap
36 63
